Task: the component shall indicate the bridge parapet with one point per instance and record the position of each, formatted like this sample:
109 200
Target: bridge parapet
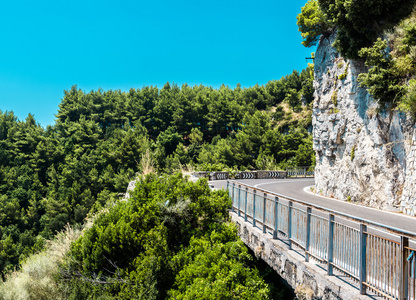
380 260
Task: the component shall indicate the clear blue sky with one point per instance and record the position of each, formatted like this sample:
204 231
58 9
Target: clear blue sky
48 46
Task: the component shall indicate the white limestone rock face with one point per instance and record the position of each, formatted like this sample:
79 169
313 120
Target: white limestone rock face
130 188
361 155
408 200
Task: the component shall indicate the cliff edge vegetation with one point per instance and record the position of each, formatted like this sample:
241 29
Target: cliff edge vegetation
382 33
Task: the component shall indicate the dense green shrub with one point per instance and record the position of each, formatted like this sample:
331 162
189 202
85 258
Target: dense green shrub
171 239
312 23
381 80
360 23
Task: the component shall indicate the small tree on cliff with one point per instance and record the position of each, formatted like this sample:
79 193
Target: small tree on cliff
312 23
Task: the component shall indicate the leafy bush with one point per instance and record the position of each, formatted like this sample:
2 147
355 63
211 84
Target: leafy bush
357 23
171 239
408 102
312 23
215 270
381 80
360 23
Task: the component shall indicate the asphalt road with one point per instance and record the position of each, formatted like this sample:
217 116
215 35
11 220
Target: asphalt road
295 189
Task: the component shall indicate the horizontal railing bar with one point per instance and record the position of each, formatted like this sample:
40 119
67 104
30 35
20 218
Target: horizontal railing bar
259 221
334 212
383 238
376 290
321 260
408 248
298 209
297 243
347 227
356 277
320 217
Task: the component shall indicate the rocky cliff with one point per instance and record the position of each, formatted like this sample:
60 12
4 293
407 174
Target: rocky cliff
361 155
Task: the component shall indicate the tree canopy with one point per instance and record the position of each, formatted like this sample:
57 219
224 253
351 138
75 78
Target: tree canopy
358 24
53 176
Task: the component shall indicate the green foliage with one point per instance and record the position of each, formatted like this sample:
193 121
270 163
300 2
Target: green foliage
292 97
36 278
360 23
381 80
408 102
306 78
352 155
392 67
305 156
334 98
171 239
53 176
344 75
311 22
216 271
257 145
266 162
294 84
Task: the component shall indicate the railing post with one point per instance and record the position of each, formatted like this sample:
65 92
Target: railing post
404 243
254 208
233 196
264 212
363 258
239 200
304 169
245 205
330 242
308 232
276 217
289 224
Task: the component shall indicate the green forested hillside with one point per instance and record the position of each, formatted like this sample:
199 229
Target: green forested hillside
171 239
57 175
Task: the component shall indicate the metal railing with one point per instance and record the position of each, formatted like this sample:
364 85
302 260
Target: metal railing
379 258
300 171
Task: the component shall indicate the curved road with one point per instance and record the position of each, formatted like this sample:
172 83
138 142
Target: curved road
296 188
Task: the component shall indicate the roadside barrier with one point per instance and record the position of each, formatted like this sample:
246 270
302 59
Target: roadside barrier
379 258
